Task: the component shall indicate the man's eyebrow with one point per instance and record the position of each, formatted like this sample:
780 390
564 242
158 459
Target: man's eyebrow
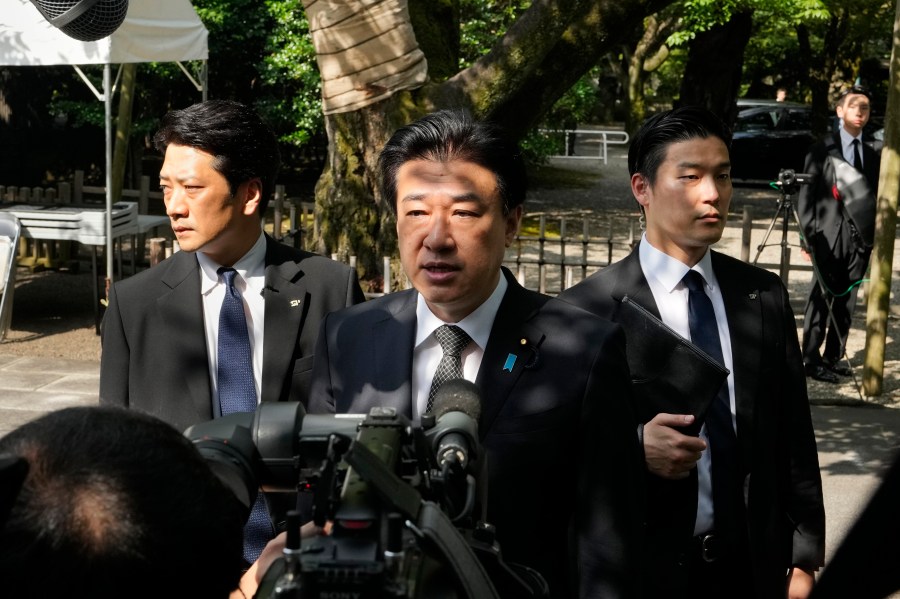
685 164
464 197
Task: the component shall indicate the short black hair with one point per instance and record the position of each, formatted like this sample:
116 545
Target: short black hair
448 135
853 89
244 146
648 147
116 503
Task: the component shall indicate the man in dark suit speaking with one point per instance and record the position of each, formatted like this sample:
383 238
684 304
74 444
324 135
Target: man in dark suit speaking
232 318
736 512
563 463
839 246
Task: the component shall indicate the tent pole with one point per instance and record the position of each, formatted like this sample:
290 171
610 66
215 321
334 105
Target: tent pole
107 105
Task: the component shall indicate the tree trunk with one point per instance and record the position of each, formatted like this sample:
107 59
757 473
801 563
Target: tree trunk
879 296
351 217
123 128
541 56
712 75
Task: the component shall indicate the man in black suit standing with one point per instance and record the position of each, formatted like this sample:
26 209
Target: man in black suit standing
563 461
737 511
839 251
161 330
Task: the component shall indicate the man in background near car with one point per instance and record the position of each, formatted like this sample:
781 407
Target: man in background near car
839 254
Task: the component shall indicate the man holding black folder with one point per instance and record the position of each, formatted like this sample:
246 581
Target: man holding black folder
734 492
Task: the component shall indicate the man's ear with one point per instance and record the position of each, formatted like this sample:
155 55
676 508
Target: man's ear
641 188
513 220
252 196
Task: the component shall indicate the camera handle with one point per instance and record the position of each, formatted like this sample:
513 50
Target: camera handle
431 523
787 210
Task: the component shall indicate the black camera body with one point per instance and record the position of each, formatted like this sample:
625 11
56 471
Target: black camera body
404 501
790 181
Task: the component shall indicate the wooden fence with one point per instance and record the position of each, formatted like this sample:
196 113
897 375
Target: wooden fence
553 254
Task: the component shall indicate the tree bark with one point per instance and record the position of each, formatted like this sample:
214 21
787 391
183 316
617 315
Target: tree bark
879 296
712 75
541 56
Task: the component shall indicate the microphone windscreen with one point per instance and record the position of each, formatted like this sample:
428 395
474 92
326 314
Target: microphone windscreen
457 395
84 20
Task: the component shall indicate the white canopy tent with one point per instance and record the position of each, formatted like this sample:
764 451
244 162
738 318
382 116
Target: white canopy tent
153 31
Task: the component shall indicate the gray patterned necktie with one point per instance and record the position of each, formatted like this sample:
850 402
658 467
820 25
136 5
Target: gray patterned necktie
453 341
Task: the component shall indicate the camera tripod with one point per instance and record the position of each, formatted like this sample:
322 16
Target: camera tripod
787 211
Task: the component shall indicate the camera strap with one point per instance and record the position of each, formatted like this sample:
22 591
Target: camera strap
430 522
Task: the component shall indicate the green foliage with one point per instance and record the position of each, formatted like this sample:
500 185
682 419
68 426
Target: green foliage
482 23
537 147
292 101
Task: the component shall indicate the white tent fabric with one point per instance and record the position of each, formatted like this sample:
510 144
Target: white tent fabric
153 31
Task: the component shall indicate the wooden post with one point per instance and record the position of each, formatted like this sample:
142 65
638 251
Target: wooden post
278 211
746 231
157 250
78 187
885 230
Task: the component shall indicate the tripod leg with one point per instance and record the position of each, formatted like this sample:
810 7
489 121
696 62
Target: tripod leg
765 240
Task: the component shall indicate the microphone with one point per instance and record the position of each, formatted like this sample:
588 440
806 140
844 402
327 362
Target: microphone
84 20
456 409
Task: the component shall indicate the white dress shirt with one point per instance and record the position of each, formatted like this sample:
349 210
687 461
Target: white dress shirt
250 282
664 275
427 352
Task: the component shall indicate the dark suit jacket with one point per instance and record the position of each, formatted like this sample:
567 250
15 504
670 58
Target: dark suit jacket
563 462
154 345
783 489
817 209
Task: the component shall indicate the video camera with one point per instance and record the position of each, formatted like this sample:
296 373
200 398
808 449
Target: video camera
789 181
404 500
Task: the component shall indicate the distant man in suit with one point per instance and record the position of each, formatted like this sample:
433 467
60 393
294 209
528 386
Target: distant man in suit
758 529
839 254
563 462
160 331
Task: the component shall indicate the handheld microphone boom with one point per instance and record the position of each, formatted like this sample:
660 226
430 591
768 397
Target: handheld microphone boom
84 20
457 408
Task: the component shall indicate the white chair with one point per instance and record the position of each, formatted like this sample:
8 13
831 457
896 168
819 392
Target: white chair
10 230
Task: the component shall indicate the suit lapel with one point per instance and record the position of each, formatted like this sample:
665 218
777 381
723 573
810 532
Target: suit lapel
633 283
512 347
743 305
391 355
286 298
183 310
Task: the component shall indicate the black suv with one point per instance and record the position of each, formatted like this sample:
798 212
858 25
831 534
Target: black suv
769 136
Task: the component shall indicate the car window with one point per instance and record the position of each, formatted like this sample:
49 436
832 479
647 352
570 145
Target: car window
755 120
796 120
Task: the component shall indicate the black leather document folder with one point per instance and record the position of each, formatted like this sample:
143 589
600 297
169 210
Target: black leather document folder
669 374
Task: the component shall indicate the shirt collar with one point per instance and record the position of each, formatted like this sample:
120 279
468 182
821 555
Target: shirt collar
847 139
477 325
251 268
668 271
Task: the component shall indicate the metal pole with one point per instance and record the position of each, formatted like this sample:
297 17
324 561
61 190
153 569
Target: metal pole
107 105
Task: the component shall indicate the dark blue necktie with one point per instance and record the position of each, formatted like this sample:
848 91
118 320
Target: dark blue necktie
237 393
722 439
